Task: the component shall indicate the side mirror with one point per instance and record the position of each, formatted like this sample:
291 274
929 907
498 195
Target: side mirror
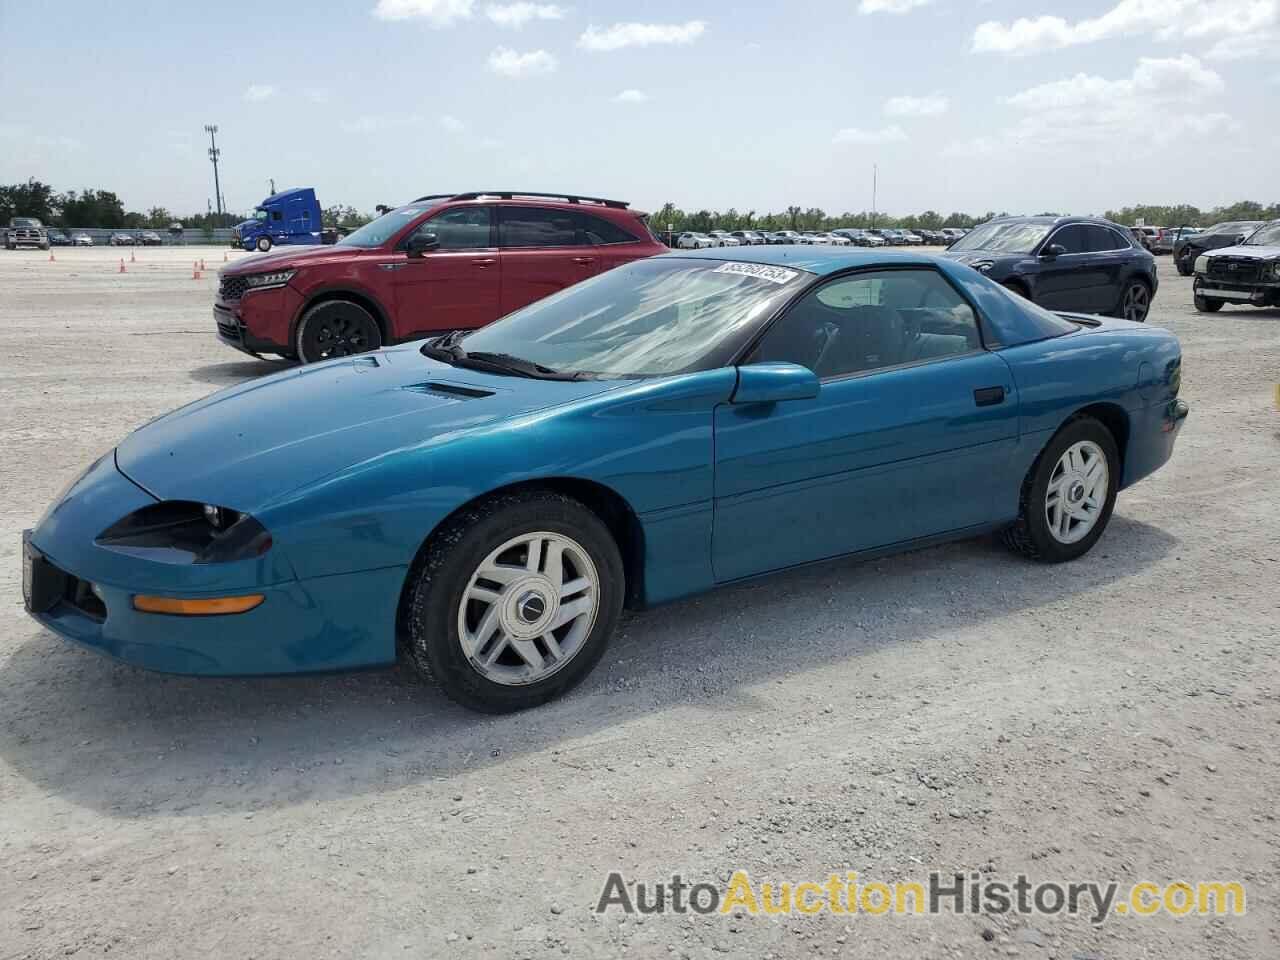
421 243
773 382
1053 250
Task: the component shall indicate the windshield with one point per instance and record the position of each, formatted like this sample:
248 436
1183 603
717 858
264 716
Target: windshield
647 318
25 222
1015 237
1268 236
377 232
259 214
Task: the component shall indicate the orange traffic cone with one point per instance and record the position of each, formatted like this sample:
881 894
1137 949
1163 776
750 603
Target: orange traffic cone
202 264
122 269
195 270
132 258
224 257
51 256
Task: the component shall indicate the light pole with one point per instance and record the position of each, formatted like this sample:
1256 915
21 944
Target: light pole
875 177
214 153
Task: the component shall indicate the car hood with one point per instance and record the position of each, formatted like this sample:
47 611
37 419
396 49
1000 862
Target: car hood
294 257
1252 253
1212 241
254 443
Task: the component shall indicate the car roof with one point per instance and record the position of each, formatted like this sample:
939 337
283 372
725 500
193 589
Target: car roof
815 260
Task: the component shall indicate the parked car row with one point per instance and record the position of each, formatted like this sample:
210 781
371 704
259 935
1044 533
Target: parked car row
844 236
30 232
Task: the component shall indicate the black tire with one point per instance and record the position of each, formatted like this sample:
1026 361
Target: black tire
1135 301
336 328
1208 304
263 244
1030 534
437 583
1185 265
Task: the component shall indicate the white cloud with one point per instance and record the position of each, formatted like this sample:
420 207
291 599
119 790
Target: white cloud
631 96
1167 19
438 13
317 94
930 106
451 123
890 6
1153 81
258 92
1162 101
893 134
516 15
511 63
1265 44
640 35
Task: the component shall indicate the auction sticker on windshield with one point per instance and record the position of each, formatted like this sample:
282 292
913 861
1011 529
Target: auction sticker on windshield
760 271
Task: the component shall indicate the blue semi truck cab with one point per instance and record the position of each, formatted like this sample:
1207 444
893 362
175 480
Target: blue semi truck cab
288 217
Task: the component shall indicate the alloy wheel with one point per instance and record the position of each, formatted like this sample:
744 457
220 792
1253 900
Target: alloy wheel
529 608
1137 301
341 336
1077 492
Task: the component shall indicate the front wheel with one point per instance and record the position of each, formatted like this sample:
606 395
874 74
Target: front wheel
1207 304
1135 303
1185 266
264 244
514 601
1068 495
336 328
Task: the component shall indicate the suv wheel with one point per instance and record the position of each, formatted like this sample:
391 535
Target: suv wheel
1135 302
336 328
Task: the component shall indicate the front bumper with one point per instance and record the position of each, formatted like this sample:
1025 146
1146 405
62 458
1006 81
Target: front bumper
1258 294
259 322
84 592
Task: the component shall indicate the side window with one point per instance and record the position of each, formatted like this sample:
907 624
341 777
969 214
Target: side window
1104 238
1073 237
537 227
277 215
599 231
870 321
462 228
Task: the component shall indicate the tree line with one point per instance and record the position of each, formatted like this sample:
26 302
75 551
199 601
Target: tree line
103 208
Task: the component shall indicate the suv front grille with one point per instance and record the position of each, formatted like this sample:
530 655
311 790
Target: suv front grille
232 288
1235 269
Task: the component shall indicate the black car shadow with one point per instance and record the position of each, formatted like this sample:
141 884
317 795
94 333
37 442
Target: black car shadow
228 374
134 744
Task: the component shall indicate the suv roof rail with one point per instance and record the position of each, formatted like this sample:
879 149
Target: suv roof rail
518 194
434 196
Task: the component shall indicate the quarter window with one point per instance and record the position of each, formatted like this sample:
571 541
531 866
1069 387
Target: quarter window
598 231
462 228
538 227
871 321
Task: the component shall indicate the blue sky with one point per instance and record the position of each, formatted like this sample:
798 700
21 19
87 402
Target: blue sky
1019 105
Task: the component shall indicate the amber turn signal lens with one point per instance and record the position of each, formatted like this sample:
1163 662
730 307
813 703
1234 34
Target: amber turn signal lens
204 607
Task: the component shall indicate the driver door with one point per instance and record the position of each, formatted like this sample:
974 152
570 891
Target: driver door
912 420
456 286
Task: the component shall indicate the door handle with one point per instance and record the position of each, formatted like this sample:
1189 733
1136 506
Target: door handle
392 266
584 259
484 261
988 396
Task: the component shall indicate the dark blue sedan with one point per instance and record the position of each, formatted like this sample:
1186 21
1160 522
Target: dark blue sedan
485 505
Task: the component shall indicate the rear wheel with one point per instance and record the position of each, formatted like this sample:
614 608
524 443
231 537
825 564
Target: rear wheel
1068 495
514 600
1207 304
1185 265
1135 302
336 328
264 244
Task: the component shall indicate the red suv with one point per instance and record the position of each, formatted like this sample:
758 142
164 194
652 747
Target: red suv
447 262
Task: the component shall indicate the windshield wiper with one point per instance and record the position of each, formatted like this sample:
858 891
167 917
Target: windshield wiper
447 350
506 363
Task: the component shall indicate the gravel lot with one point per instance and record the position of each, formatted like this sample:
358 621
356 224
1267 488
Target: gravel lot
955 709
